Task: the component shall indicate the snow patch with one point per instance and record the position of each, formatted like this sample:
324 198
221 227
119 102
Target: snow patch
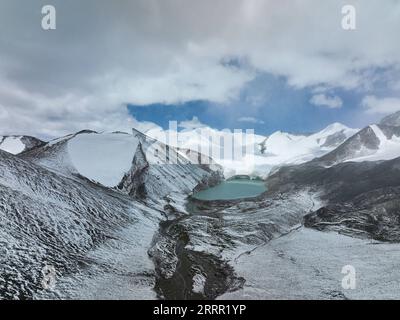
12 145
307 264
378 132
199 282
104 158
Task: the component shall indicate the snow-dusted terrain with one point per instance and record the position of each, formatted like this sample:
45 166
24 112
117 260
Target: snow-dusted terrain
51 220
274 256
307 264
260 154
55 212
388 148
283 148
110 214
133 163
373 143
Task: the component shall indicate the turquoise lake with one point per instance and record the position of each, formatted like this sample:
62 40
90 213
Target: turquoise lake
232 189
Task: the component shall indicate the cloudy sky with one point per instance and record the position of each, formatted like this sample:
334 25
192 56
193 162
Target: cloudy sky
262 64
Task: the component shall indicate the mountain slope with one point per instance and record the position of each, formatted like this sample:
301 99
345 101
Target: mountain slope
392 120
48 219
375 142
72 203
133 163
361 198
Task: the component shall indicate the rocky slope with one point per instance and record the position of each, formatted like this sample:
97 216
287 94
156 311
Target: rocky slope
50 220
392 120
375 142
361 198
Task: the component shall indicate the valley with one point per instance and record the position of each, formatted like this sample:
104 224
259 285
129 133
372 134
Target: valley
117 221
199 150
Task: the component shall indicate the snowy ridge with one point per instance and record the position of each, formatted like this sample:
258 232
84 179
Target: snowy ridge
288 146
280 148
373 143
18 144
72 203
133 163
103 158
283 148
388 148
160 172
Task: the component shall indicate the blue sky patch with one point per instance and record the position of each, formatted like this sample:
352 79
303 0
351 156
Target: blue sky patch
266 104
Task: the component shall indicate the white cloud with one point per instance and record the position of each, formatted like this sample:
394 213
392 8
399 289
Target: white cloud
105 54
374 105
326 101
250 120
395 85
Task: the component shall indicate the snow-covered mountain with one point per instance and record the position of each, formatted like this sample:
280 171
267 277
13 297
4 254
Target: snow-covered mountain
280 148
392 120
18 144
211 143
92 205
283 148
373 143
133 163
88 205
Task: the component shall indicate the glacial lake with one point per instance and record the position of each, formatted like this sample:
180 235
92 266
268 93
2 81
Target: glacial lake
232 189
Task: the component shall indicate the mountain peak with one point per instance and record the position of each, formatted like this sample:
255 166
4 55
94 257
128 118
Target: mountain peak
391 120
334 127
